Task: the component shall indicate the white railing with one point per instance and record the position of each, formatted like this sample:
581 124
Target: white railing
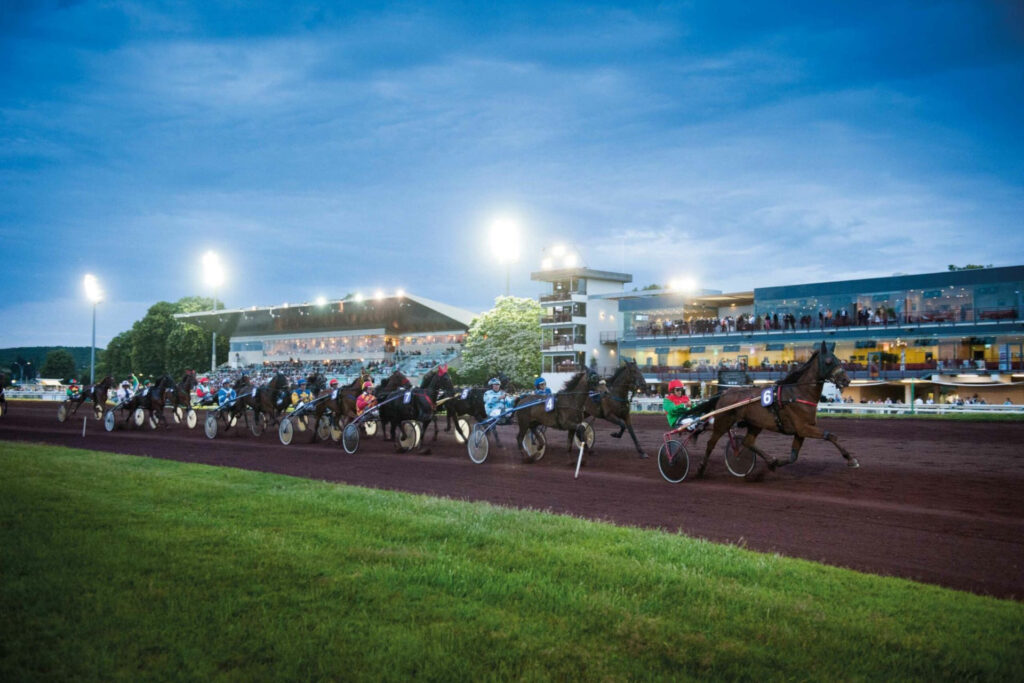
39 395
654 405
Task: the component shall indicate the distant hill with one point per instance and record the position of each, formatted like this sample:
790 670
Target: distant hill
37 356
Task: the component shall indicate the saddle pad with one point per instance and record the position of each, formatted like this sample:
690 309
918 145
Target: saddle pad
408 397
767 397
334 395
549 404
465 393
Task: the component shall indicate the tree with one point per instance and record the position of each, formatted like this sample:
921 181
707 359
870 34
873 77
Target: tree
969 266
116 360
505 339
59 364
188 348
149 339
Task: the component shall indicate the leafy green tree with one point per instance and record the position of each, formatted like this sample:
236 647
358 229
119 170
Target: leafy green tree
59 364
149 339
196 304
505 339
188 348
116 360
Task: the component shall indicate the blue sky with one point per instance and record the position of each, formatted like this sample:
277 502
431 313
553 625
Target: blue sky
327 148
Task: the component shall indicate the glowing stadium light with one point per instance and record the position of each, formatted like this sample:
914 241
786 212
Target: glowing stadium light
505 244
213 270
400 293
571 260
358 297
547 264
95 295
558 250
321 300
378 295
687 285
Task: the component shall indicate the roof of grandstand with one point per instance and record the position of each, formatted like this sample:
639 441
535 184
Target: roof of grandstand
406 314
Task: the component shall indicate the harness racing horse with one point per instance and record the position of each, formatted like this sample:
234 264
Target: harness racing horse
3 396
401 406
267 403
440 390
341 401
180 395
564 410
97 393
789 406
153 399
614 406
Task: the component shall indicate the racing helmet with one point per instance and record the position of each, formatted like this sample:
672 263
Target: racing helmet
493 381
539 381
74 381
334 382
204 380
367 384
675 384
301 382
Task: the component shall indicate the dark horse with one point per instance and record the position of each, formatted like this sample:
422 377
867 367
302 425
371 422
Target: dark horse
789 406
180 395
567 412
267 402
97 393
404 404
154 398
341 401
613 405
3 397
440 390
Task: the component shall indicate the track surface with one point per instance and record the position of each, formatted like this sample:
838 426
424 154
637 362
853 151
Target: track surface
937 502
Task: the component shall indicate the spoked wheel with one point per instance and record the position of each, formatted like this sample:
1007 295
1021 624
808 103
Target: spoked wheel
191 419
478 444
738 458
673 461
408 435
62 412
350 438
256 422
371 427
109 421
139 417
534 444
177 414
463 428
211 426
285 431
323 428
588 437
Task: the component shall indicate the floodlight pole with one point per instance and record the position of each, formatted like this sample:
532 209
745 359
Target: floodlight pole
92 352
508 276
213 344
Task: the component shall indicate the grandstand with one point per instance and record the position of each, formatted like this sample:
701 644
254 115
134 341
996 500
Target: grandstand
406 332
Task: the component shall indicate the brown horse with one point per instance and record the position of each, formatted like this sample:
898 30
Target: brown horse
564 411
789 406
154 398
267 402
613 405
180 395
341 401
97 393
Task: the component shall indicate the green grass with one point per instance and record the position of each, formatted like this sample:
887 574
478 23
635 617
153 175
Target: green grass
120 568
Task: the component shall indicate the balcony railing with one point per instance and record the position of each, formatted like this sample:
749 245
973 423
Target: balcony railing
559 318
565 295
562 342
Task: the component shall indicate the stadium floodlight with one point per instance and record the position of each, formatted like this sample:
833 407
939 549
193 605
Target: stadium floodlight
213 274
321 300
378 295
505 243
686 285
400 293
358 297
95 295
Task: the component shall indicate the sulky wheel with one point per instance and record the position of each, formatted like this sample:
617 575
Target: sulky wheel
109 421
534 444
62 412
350 438
286 431
211 426
463 428
191 419
588 432
673 461
177 414
739 459
139 417
256 422
408 436
478 444
153 421
323 428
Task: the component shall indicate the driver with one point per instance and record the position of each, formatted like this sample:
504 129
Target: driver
677 405
301 393
205 392
124 393
366 400
226 394
74 390
540 387
496 401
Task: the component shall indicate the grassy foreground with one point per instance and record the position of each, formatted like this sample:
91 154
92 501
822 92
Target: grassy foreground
119 567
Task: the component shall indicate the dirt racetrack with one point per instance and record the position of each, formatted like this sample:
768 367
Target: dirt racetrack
935 501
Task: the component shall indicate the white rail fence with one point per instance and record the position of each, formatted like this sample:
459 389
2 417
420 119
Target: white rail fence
654 405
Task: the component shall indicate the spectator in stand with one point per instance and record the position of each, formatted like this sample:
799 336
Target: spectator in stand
1007 402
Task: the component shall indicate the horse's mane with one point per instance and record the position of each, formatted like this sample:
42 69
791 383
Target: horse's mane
428 378
574 382
797 373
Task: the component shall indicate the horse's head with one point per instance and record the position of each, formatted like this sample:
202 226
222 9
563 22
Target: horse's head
635 377
396 381
576 383
829 367
440 385
279 383
316 383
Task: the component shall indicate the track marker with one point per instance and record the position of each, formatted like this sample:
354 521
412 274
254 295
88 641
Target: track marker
84 421
579 460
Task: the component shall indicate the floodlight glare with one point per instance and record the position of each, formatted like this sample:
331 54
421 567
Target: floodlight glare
213 270
400 293
321 300
92 289
571 259
358 297
547 264
558 250
505 239
378 295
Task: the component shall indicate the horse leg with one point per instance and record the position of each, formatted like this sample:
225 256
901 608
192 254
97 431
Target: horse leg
425 424
716 434
519 440
816 432
628 424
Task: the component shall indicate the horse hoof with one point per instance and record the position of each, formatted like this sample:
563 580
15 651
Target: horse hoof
853 463
643 456
616 436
